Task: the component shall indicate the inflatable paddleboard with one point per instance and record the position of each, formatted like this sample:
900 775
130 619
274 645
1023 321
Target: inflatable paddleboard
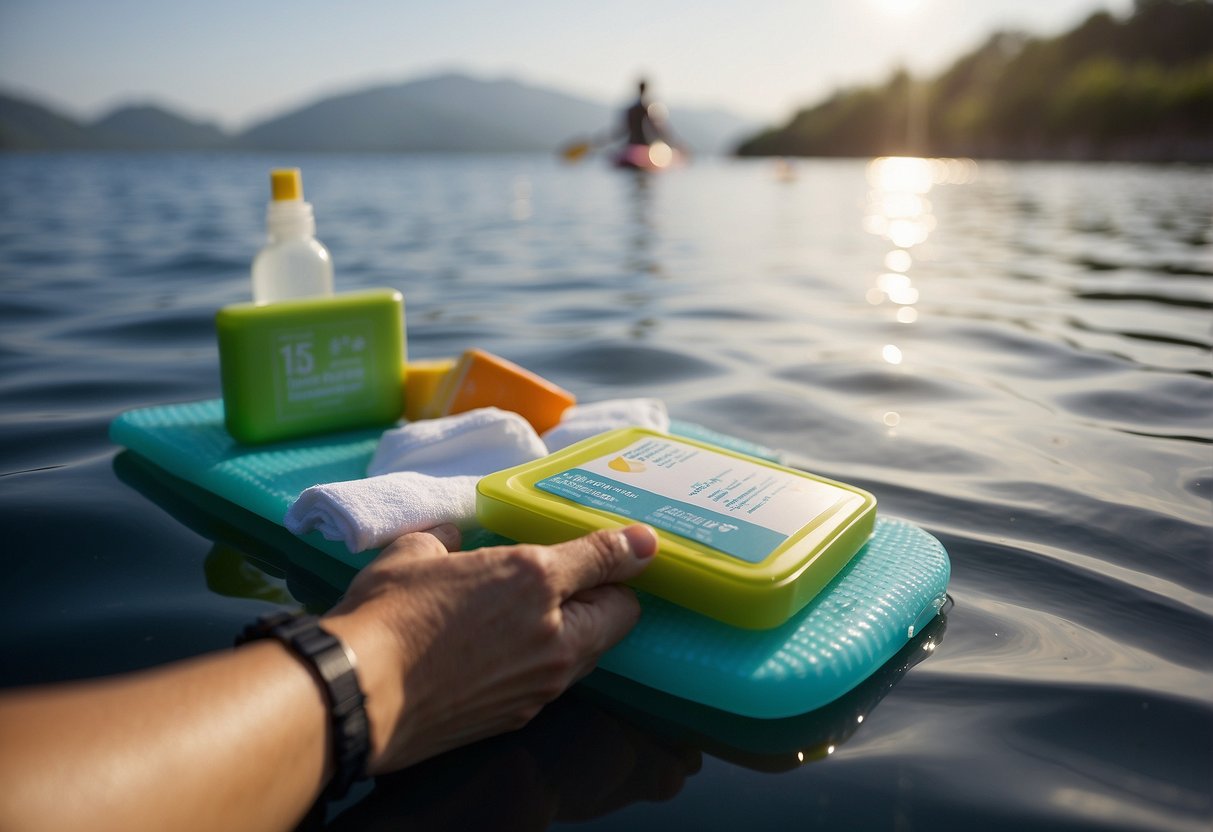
885 596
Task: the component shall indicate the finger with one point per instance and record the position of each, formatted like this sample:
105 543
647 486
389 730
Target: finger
602 557
595 620
448 535
439 540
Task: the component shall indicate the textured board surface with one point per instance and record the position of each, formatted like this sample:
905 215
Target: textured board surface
888 592
881 599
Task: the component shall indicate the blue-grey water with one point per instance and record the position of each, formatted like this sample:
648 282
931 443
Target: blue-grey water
1016 357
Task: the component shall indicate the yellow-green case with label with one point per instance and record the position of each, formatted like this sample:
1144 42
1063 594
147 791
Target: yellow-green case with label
753 595
309 366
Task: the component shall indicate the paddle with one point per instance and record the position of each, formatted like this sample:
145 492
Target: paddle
576 151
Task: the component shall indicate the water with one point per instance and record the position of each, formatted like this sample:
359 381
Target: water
1016 357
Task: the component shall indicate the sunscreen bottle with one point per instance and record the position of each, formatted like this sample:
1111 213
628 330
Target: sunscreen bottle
293 264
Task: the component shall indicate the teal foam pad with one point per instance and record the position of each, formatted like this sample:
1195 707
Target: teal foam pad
888 592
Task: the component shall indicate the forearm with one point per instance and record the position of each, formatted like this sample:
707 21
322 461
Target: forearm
234 740
448 649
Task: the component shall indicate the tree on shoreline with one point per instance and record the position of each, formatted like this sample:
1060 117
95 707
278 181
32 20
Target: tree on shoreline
1140 88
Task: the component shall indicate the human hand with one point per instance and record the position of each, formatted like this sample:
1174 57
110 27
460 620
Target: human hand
456 646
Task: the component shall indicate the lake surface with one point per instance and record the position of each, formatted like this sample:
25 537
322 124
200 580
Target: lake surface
1015 357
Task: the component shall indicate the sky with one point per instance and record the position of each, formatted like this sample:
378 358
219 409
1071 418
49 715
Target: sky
235 62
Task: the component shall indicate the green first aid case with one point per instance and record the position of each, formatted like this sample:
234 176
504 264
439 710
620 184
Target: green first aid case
742 540
310 366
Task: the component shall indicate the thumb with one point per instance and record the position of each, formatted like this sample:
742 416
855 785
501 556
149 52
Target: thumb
607 556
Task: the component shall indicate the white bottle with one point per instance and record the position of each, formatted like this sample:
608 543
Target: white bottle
293 264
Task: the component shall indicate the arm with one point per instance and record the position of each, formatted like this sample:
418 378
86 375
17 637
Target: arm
242 733
451 647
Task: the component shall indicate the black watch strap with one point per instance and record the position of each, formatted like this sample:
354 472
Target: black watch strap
328 660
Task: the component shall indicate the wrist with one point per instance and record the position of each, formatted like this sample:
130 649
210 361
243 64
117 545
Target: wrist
332 665
380 673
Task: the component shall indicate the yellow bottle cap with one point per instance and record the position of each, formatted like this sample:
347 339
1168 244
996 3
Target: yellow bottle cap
286 184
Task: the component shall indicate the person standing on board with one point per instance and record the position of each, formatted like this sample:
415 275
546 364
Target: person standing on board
648 141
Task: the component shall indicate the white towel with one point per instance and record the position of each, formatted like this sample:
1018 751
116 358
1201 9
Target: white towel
422 474
585 420
425 473
477 442
372 512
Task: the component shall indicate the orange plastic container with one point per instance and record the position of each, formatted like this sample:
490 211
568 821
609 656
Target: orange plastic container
482 379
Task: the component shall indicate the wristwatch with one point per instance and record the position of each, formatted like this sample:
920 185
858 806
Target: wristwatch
333 667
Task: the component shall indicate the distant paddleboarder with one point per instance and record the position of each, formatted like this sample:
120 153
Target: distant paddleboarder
648 143
640 126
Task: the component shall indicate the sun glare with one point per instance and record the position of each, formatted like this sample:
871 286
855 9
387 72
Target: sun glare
660 154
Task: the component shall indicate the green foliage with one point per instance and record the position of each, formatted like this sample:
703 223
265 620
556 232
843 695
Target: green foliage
1139 88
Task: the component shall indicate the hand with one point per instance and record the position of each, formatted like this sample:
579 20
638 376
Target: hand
457 646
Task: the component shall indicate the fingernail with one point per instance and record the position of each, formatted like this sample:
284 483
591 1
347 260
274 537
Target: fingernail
642 540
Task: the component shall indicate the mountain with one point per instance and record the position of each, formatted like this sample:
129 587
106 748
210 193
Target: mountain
713 131
1134 89
455 112
25 125
449 112
152 128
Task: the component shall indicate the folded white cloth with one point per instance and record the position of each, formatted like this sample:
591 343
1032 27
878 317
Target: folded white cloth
585 420
476 442
425 473
373 512
422 474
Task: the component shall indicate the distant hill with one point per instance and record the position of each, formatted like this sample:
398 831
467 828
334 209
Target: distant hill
1134 89
449 112
25 125
152 128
